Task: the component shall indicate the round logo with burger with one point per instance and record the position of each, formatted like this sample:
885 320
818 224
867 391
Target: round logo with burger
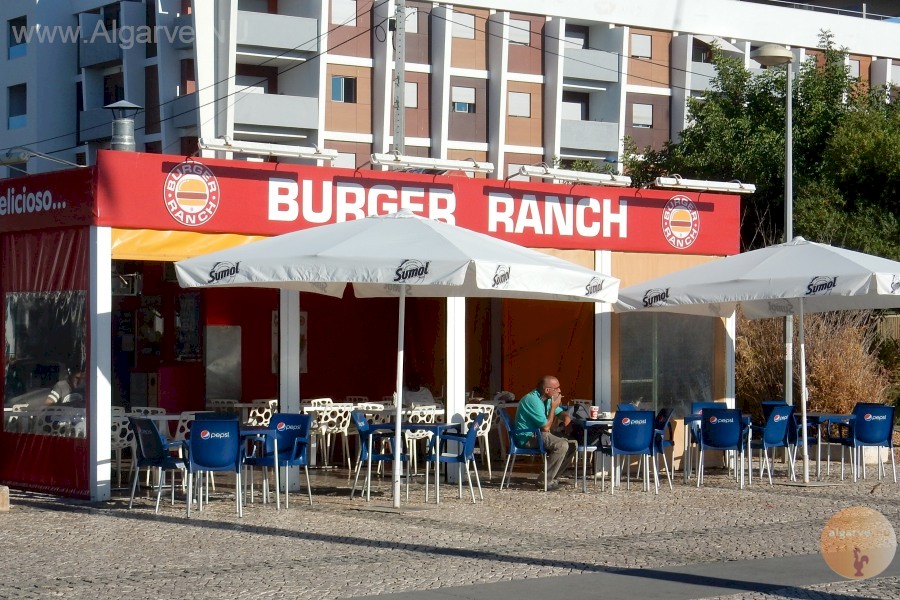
191 194
680 222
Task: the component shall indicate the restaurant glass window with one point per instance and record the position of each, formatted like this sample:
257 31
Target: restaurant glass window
666 360
46 352
17 36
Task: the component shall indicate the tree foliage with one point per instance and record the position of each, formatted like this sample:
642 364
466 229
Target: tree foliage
846 151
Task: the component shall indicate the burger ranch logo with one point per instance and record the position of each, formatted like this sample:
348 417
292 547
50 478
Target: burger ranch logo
680 222
224 272
821 285
411 271
501 277
22 201
191 194
655 296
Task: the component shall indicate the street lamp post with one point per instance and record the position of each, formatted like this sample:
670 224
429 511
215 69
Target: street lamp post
771 55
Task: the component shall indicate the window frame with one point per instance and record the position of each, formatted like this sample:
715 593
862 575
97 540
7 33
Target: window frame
526 113
341 11
344 93
639 118
644 39
519 32
19 119
462 99
463 26
16 49
410 90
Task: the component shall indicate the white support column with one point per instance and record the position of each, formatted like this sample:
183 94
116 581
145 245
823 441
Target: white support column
99 369
455 398
730 327
603 340
289 362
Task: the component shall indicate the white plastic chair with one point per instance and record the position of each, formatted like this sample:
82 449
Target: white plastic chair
64 421
143 411
424 414
122 438
220 404
333 420
472 411
262 413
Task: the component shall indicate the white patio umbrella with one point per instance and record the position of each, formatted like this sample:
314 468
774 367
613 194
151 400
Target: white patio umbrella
398 255
777 281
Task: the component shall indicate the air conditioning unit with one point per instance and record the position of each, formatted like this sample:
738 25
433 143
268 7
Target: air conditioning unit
126 284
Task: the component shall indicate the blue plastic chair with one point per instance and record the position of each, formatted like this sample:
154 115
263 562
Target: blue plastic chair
626 406
214 446
722 429
292 433
872 425
632 434
516 449
693 432
370 436
663 438
152 450
464 457
774 434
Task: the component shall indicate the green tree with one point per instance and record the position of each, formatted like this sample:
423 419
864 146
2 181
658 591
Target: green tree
846 153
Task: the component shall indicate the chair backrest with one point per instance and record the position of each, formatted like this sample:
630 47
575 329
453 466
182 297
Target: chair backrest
468 450
141 411
778 424
356 399
320 401
632 432
514 446
626 406
662 423
721 428
471 413
290 427
150 445
767 406
358 418
220 404
117 411
698 408
183 430
215 445
369 406
261 414
59 420
122 433
334 418
874 423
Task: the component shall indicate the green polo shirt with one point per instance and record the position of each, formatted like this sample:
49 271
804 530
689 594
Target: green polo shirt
532 412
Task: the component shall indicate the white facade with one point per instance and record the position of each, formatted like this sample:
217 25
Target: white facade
52 90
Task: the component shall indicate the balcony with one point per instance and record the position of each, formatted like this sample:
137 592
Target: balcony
184 111
97 45
254 111
593 65
276 40
701 75
595 136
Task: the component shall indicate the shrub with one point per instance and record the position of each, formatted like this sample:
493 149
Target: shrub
842 364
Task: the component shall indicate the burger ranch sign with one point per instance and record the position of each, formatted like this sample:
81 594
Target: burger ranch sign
217 196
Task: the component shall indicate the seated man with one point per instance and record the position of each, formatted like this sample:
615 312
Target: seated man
540 409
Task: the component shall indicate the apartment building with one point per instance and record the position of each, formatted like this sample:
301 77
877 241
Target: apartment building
511 82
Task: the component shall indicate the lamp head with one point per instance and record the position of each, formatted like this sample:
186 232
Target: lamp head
771 55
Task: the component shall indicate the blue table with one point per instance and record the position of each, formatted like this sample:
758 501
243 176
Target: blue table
587 424
437 429
820 420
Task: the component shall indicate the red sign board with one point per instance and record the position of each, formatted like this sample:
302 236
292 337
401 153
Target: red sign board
152 191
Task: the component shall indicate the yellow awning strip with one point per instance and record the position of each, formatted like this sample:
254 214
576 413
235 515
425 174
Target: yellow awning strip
147 244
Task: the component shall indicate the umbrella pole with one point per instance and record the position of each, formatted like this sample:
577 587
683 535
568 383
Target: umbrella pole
399 401
803 399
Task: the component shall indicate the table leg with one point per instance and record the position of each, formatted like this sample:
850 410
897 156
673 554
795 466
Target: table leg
584 461
277 477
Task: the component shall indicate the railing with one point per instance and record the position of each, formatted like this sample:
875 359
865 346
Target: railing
864 14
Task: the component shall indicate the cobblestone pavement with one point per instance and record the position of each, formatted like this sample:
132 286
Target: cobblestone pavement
340 548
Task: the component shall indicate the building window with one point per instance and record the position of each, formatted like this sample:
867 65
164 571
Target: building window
113 88
343 89
701 52
18 106
463 26
343 12
519 104
641 45
410 94
577 36
16 36
854 68
575 106
412 20
463 99
642 115
519 32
